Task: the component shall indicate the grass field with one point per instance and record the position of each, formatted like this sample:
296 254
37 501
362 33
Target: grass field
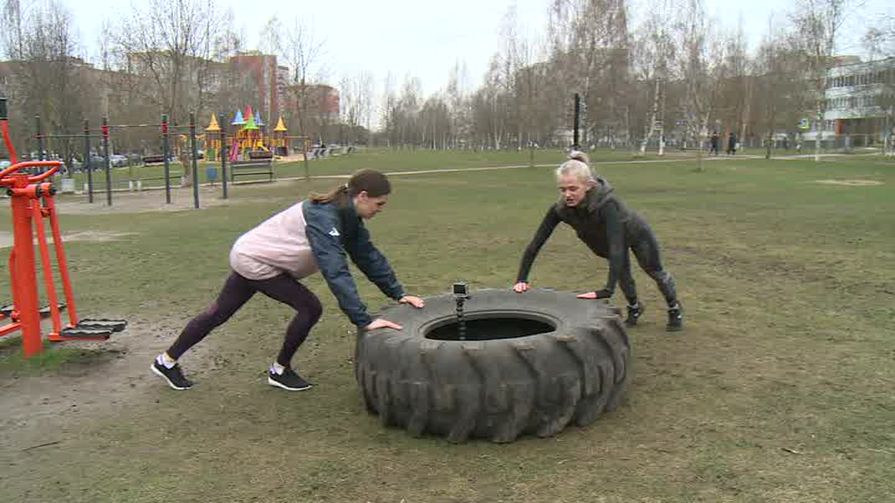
779 389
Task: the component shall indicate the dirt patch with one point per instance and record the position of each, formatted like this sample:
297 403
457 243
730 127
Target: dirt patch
113 373
850 183
154 200
101 236
34 402
6 238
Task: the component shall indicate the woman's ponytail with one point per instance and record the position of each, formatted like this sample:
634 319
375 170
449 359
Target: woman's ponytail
577 155
338 195
374 183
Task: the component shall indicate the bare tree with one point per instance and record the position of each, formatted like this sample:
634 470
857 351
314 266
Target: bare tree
490 105
701 72
880 43
271 40
653 55
817 23
407 112
230 84
13 37
48 78
736 88
770 74
388 109
880 40
590 45
458 101
356 100
434 122
302 53
169 45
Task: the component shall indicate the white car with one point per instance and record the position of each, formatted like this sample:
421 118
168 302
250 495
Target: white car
118 160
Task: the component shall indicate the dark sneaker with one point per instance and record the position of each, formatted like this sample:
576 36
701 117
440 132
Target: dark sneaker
675 318
173 376
634 314
288 380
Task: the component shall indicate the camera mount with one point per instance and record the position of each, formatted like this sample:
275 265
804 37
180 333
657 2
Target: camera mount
461 294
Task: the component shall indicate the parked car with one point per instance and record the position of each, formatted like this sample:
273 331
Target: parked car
118 160
98 160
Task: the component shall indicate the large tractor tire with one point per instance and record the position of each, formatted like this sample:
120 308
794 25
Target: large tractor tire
530 363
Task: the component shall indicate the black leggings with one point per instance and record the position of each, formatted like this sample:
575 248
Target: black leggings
236 292
646 250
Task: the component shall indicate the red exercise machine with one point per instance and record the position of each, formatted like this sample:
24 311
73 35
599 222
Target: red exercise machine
32 198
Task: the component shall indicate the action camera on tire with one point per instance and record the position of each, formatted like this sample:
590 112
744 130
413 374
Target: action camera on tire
461 291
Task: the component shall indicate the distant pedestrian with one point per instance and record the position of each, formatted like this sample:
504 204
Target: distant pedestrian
731 144
714 142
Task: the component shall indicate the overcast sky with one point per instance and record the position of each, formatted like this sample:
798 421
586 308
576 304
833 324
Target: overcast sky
425 38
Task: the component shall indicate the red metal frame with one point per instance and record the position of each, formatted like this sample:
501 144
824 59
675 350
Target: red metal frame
32 201
24 191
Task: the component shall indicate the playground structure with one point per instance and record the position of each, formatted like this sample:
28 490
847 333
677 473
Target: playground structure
250 140
278 139
32 200
251 152
212 139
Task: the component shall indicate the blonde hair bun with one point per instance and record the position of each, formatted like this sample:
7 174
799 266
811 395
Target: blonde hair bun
577 155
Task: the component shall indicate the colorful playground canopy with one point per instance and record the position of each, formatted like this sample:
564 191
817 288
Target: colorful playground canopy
250 124
281 127
213 125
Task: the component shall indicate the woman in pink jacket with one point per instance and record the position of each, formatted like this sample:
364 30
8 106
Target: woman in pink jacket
313 235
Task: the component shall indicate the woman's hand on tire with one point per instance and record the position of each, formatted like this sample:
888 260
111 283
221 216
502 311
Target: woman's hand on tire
521 287
599 294
413 301
381 323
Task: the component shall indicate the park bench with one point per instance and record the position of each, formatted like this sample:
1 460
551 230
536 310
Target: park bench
153 159
250 168
175 174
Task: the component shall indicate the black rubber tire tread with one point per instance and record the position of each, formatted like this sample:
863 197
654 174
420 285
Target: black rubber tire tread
497 389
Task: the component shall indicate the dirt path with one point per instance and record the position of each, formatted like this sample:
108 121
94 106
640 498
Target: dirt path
851 183
34 406
6 238
152 201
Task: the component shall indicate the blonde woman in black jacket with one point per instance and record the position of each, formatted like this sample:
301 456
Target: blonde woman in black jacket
603 222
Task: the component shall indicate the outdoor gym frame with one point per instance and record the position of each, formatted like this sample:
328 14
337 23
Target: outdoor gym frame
189 142
165 130
33 205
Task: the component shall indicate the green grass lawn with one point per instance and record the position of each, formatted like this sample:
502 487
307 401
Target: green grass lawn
779 389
